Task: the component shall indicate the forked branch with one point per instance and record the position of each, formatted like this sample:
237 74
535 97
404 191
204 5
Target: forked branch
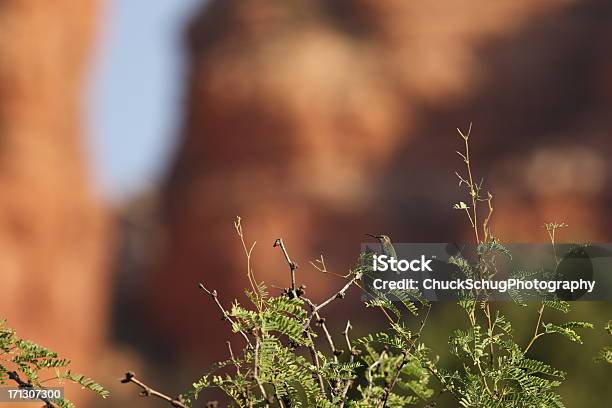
147 391
226 316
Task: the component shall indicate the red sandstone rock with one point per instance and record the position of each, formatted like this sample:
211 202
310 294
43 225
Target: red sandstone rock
320 121
53 232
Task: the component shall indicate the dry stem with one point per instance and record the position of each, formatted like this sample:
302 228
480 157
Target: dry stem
130 377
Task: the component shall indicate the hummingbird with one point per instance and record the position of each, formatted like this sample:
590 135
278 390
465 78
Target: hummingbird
387 246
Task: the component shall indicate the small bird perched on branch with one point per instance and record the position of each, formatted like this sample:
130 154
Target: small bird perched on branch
387 246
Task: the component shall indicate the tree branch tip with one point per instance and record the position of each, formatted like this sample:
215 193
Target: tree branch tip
129 375
212 293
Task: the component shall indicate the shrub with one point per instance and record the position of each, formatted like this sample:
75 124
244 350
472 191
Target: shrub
23 363
280 364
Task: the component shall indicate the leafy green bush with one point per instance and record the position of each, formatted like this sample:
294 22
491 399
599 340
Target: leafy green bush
281 364
22 363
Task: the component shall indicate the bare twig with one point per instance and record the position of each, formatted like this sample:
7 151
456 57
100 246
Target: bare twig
231 353
328 337
536 333
490 324
485 224
226 315
371 369
319 265
292 265
147 391
349 382
247 252
346 334
551 228
321 322
473 188
337 295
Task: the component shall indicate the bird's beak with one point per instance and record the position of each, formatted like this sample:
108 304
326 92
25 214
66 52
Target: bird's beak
373 236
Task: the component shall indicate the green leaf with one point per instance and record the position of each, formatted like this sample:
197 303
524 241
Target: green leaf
85 382
559 305
567 329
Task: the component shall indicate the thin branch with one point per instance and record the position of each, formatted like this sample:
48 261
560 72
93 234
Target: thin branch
319 265
485 224
279 399
13 375
226 315
256 373
292 265
490 325
536 335
551 228
396 377
247 253
231 353
346 335
330 341
314 308
147 391
371 368
473 188
337 295
352 352
321 322
245 394
315 359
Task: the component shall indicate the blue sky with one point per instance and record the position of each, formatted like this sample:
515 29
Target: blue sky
135 91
